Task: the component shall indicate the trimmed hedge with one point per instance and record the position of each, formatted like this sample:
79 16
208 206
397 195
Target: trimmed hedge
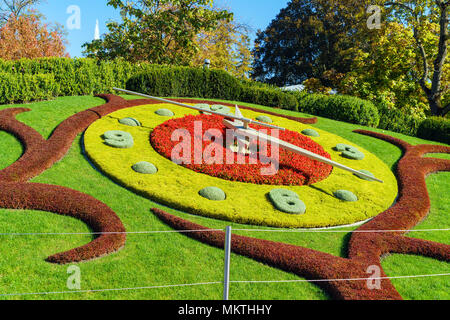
339 107
27 80
199 83
435 128
27 87
397 121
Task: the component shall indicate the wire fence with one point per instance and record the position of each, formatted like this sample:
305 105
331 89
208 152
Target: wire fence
218 230
226 283
221 283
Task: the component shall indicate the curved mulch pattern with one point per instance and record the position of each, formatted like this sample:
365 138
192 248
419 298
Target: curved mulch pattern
40 155
64 201
365 249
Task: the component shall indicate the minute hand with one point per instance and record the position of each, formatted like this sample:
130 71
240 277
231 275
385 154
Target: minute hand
293 148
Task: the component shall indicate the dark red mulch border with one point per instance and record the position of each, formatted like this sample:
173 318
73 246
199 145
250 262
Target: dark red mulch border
365 249
64 201
304 262
412 206
40 155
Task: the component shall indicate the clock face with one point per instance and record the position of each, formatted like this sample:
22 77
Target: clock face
172 155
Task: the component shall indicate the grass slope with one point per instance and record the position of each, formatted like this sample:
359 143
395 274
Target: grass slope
161 259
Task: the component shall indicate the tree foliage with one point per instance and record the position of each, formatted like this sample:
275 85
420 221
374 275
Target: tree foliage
227 47
27 37
307 38
157 31
403 64
432 74
15 8
383 70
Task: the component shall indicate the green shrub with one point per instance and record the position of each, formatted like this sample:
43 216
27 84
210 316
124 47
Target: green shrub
186 82
26 87
397 121
212 84
269 97
71 77
435 128
339 107
64 77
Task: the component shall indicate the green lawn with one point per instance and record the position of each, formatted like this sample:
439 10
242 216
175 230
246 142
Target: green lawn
164 259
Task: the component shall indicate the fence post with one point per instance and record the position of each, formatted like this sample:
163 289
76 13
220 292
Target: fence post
226 280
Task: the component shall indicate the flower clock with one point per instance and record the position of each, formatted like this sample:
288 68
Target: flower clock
188 160
193 156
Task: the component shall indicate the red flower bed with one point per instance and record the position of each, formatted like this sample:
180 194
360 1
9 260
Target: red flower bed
293 169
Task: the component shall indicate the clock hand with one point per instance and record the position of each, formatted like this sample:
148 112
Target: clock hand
252 133
246 121
241 125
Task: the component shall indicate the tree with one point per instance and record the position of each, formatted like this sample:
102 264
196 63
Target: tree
157 31
417 16
14 7
383 70
307 38
27 37
227 47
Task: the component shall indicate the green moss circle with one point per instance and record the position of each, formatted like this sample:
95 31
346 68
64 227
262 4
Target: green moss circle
311 133
265 119
132 122
220 108
118 139
164 113
354 155
346 195
205 107
345 147
145 167
349 152
287 201
213 193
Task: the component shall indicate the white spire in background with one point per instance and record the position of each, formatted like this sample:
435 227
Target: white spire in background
97 31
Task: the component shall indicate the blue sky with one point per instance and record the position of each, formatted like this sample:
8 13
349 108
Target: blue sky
255 13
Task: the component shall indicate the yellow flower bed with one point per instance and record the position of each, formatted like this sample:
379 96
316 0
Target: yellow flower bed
178 187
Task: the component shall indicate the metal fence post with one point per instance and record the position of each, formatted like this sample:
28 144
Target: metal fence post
226 280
